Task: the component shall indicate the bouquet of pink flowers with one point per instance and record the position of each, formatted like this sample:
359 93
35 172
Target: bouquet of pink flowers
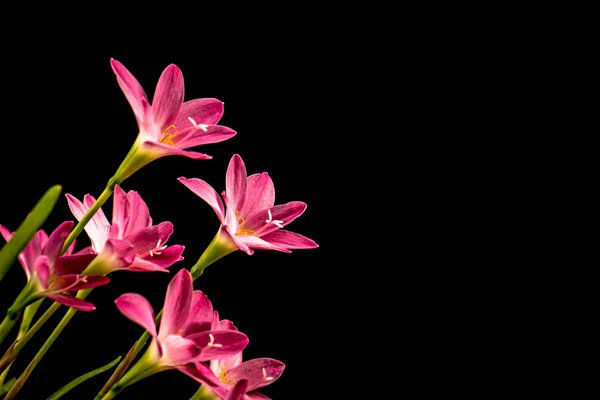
188 333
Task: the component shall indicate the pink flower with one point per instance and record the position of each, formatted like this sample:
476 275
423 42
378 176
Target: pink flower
250 220
168 126
49 274
224 375
132 242
185 333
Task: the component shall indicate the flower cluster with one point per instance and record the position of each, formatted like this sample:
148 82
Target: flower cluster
188 334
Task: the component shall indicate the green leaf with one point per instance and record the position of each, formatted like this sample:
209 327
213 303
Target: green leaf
7 385
62 391
32 223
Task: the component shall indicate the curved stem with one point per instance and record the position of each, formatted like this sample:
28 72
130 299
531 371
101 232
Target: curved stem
82 294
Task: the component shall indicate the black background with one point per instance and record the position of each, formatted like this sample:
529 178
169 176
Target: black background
67 122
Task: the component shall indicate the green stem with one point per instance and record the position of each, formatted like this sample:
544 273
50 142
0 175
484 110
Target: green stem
204 393
14 350
7 323
74 383
82 294
105 195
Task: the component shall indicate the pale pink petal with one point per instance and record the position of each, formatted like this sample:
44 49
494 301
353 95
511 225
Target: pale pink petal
286 213
203 190
260 194
158 262
238 390
203 111
118 254
252 370
99 218
6 234
97 228
133 91
138 309
178 350
168 96
210 134
54 244
73 283
235 183
219 344
71 301
177 304
157 150
289 240
257 243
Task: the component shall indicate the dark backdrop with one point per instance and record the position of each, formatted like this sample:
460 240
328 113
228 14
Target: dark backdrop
66 121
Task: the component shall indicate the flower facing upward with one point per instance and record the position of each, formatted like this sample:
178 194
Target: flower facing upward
169 125
185 333
49 274
132 242
249 219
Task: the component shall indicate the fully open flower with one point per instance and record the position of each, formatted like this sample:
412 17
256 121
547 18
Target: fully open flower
131 242
169 125
250 220
51 275
223 375
185 333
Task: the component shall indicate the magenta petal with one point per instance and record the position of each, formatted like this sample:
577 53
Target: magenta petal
219 344
147 239
6 234
53 245
41 270
177 304
119 254
235 183
158 262
257 243
157 150
201 373
235 239
71 301
203 111
284 214
138 309
205 135
73 283
201 314
133 91
238 390
257 396
289 240
206 193
121 209
260 194
168 96
139 215
259 372
178 350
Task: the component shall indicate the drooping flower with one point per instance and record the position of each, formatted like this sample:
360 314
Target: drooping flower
185 333
249 219
223 375
132 242
169 125
51 275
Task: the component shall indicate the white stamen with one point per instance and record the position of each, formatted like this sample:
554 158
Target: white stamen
84 279
159 248
212 341
276 222
198 126
267 378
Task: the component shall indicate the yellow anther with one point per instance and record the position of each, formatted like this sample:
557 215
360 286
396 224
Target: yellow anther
167 138
242 231
223 374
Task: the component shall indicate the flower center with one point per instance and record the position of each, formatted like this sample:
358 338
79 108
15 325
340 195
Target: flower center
241 230
223 374
167 138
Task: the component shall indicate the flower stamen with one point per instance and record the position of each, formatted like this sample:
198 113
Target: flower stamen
212 341
223 374
198 126
167 138
158 247
276 222
241 230
266 378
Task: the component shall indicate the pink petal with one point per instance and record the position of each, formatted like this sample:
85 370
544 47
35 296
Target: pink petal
118 254
284 212
121 209
133 91
97 228
228 362
201 373
157 150
158 262
71 301
206 193
223 344
203 111
73 283
168 96
99 218
7 235
139 215
147 239
138 309
252 370
260 194
238 390
257 243
236 240
41 270
235 183
177 304
201 314
178 350
54 244
199 136
289 240
257 396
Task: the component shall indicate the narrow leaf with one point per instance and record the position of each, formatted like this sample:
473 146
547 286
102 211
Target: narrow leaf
82 379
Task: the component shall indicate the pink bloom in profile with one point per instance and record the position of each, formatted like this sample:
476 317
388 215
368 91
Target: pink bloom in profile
250 219
224 375
185 333
132 242
51 275
169 125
